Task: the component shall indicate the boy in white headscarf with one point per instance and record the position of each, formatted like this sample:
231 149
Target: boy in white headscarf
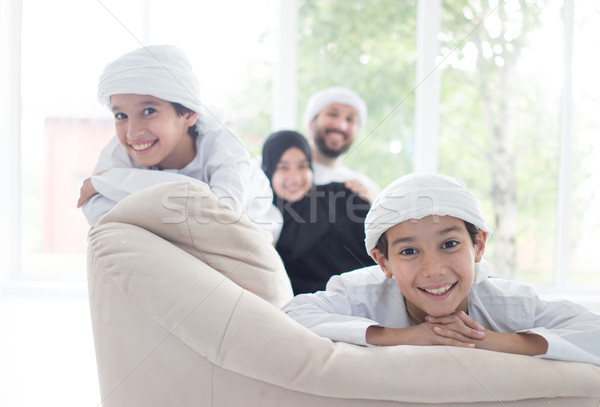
162 126
430 287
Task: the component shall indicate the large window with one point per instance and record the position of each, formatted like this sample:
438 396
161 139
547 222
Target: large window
584 162
65 45
368 46
516 106
507 130
516 114
501 122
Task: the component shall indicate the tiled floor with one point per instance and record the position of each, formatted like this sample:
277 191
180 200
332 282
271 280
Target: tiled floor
46 352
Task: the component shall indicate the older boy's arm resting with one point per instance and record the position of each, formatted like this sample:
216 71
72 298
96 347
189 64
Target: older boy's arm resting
107 188
519 343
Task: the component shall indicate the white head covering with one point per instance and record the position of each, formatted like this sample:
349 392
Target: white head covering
416 196
324 98
162 71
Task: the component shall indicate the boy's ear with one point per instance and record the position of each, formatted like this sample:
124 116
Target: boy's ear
480 241
382 261
190 118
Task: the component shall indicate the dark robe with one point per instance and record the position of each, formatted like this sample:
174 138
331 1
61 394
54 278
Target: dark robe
322 235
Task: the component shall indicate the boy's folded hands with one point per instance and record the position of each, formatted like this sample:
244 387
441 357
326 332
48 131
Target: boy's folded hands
457 329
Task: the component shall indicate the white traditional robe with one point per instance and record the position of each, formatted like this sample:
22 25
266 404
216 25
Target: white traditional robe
358 299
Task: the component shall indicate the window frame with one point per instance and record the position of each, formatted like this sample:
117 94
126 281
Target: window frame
10 170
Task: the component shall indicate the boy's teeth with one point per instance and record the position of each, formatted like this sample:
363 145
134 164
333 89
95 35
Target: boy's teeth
438 291
139 147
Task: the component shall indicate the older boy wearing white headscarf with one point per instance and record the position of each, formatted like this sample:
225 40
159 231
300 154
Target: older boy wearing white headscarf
431 285
333 117
165 134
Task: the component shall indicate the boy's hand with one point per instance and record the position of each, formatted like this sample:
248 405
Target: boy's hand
519 343
456 329
86 192
457 326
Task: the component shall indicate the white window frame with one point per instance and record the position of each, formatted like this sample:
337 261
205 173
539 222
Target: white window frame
427 87
561 262
285 86
10 170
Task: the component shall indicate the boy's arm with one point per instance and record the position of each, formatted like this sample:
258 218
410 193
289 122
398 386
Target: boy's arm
446 329
572 331
460 330
114 185
558 330
518 343
330 314
320 314
111 156
119 183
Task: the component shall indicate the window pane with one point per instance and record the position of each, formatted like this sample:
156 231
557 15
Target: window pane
500 124
232 45
63 125
65 46
585 203
368 46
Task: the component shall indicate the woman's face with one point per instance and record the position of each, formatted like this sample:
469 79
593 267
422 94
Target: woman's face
293 177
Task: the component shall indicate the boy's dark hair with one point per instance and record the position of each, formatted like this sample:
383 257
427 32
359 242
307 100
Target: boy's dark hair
382 243
181 111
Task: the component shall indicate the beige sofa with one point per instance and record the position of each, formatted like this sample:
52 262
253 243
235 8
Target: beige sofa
181 296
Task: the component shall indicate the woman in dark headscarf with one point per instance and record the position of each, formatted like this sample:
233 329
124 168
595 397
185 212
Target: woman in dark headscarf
323 225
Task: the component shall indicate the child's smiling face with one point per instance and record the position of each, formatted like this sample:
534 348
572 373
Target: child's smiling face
433 262
152 132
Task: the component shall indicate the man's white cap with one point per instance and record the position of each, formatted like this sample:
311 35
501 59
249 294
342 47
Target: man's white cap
336 94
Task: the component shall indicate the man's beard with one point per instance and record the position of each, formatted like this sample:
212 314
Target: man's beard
322 145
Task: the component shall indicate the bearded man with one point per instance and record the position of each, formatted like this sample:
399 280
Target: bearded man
333 117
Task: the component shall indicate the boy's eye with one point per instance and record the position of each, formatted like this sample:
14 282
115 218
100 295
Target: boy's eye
148 111
450 244
408 252
120 116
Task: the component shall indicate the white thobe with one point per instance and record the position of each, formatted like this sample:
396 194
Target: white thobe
221 162
358 299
